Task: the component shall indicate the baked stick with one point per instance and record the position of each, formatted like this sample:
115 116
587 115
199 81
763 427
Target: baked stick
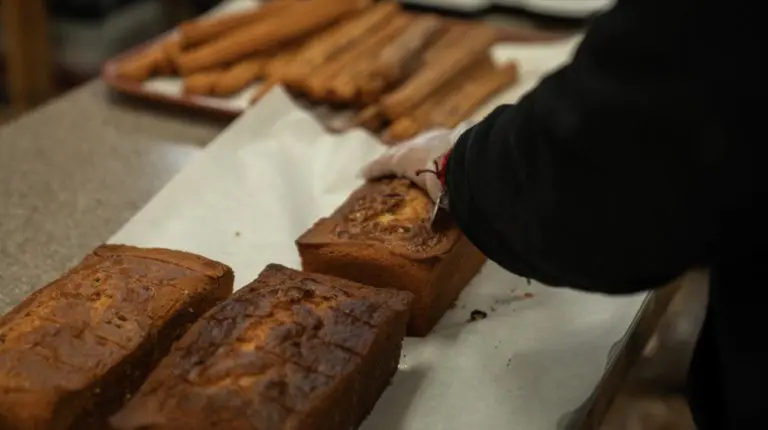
319 85
461 104
328 44
173 50
458 49
346 85
201 83
276 69
370 118
417 120
455 101
143 65
398 59
297 20
239 76
199 31
414 122
343 85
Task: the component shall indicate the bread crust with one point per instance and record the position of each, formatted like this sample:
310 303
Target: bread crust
289 351
380 236
72 352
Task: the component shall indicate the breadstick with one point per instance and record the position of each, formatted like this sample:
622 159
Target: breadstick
170 49
479 88
343 86
417 120
454 101
143 65
410 125
275 70
201 83
319 85
277 67
456 32
395 62
239 76
173 51
467 46
199 31
370 118
402 129
336 39
392 64
299 19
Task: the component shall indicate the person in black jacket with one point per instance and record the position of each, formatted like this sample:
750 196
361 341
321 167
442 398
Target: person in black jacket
620 171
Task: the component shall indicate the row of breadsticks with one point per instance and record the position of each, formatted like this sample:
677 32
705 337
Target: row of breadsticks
404 72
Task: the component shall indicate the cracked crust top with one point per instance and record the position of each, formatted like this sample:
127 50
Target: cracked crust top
270 351
391 212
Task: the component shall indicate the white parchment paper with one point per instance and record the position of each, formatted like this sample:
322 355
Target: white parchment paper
269 176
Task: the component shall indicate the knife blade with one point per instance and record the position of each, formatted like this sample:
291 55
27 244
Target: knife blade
440 219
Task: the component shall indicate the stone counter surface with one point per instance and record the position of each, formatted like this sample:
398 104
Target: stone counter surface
74 171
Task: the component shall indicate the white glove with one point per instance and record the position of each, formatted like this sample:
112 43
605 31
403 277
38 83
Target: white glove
408 158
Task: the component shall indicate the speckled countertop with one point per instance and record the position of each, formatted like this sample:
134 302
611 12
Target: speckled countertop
74 171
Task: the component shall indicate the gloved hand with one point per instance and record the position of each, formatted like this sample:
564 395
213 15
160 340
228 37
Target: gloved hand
412 158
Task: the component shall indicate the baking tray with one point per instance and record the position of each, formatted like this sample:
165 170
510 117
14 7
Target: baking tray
168 90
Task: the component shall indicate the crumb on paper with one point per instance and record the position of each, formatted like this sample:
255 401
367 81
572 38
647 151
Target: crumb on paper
514 296
237 234
477 315
509 362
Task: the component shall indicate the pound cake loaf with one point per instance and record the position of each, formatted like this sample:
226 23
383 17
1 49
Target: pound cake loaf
290 351
381 237
73 352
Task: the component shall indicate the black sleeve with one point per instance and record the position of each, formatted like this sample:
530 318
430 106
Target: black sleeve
602 177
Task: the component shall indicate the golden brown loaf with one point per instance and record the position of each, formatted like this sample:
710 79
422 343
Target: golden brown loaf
381 237
289 351
75 350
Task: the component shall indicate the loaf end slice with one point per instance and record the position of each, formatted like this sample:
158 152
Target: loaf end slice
380 236
75 350
289 351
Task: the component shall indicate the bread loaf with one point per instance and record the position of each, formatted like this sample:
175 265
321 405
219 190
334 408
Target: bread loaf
381 237
290 351
75 350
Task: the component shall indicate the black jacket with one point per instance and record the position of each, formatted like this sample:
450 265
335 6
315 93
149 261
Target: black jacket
632 164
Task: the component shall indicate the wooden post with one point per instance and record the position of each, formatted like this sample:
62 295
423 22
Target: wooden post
29 62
